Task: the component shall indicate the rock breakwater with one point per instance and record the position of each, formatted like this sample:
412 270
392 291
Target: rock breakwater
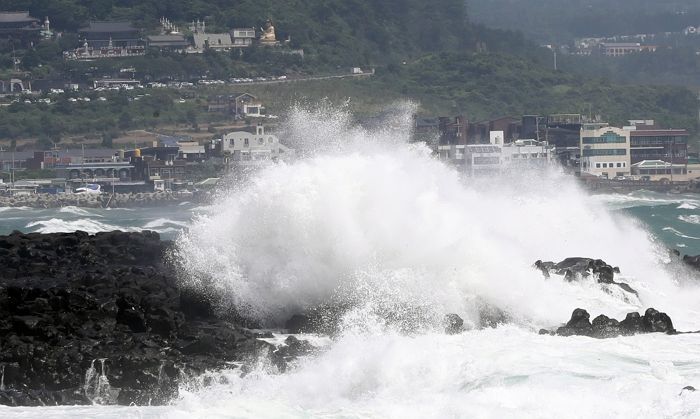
117 200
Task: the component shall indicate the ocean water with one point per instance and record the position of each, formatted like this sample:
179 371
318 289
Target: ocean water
367 221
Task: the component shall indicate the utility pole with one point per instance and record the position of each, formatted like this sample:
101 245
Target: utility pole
554 50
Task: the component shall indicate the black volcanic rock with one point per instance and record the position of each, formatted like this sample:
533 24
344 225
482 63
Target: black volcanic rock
579 324
602 326
577 267
692 261
453 324
74 307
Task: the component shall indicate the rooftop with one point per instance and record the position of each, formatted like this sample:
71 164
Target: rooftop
166 38
11 17
109 27
656 132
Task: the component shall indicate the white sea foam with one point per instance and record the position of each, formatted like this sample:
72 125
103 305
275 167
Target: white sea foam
646 198
77 211
163 222
690 219
680 234
57 225
506 372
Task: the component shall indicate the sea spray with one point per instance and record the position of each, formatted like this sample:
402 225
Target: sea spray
365 218
96 387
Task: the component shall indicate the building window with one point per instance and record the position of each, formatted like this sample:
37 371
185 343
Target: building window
588 152
270 140
619 165
607 138
261 141
597 165
245 142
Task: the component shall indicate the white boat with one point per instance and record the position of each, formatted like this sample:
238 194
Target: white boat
90 188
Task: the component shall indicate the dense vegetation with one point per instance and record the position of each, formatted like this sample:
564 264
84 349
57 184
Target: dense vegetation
338 32
561 20
490 85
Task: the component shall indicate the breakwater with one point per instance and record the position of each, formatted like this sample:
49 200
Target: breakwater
104 200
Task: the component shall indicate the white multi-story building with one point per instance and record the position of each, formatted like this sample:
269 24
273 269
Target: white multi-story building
605 151
243 37
482 159
530 153
245 147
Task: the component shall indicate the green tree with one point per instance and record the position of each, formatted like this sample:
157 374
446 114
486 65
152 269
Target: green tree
125 120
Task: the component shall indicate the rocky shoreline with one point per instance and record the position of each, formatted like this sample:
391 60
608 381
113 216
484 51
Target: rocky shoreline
102 319
103 200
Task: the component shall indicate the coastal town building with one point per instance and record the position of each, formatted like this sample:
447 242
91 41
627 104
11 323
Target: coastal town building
669 145
253 147
19 26
110 34
527 153
605 151
168 42
239 105
480 160
659 170
243 37
618 49
213 41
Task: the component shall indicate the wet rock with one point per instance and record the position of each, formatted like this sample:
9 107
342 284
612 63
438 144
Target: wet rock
453 324
579 324
574 268
292 349
70 302
654 321
602 326
692 261
491 316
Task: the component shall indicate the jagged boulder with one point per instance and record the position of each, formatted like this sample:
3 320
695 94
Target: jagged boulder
573 268
602 326
692 261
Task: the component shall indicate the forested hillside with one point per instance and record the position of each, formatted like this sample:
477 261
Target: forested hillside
340 31
561 20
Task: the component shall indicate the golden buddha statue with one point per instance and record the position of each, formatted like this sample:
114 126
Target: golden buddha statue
268 33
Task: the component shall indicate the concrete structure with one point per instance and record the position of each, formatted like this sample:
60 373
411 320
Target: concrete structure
14 86
605 151
482 160
243 37
617 49
240 105
659 170
95 171
527 153
190 150
254 147
669 145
